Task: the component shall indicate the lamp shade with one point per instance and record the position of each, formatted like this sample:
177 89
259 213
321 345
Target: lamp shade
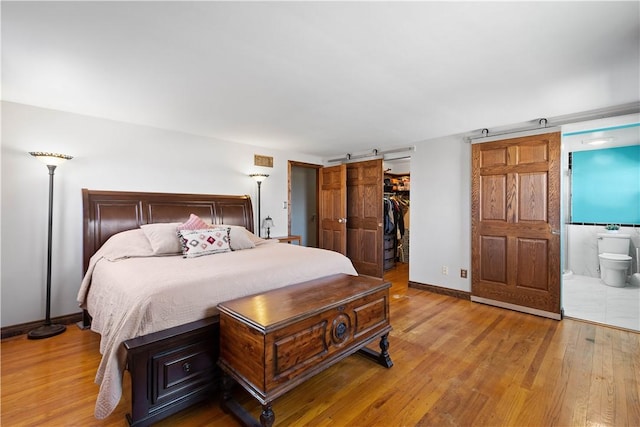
50 159
259 177
268 223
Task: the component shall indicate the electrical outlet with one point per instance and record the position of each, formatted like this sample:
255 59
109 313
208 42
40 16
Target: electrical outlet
445 270
463 273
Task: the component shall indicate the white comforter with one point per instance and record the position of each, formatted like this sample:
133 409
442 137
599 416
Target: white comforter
129 293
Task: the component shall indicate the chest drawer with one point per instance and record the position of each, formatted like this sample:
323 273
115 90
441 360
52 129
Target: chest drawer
187 368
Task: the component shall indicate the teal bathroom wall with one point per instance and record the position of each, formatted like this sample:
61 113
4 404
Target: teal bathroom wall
605 186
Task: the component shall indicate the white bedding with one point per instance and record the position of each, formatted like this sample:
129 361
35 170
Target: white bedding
129 293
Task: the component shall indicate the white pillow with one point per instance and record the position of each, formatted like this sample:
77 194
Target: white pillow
260 241
240 238
163 238
126 244
251 239
206 241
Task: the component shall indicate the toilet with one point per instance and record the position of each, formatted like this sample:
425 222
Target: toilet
613 252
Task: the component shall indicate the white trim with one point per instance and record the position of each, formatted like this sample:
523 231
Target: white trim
515 307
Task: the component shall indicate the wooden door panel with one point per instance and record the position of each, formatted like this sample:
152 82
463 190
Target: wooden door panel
493 259
332 240
372 202
515 218
494 157
534 152
333 209
353 243
370 246
494 198
364 216
532 199
533 264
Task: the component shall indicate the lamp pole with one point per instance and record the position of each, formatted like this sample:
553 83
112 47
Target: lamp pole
259 177
49 329
259 225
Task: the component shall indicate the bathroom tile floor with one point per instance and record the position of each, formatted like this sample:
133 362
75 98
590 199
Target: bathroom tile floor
587 298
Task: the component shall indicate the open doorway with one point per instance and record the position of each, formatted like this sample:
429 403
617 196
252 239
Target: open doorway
601 174
304 216
303 202
397 224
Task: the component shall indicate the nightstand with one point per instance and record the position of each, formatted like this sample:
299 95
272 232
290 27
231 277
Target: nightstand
289 239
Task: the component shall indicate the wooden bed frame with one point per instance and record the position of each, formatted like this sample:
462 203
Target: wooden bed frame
171 369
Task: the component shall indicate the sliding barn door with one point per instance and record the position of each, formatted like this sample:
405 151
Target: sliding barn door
364 216
333 209
516 223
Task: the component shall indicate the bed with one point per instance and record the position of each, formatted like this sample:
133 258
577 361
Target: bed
156 311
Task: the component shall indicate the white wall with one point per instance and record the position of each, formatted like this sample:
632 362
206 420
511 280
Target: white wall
441 213
108 155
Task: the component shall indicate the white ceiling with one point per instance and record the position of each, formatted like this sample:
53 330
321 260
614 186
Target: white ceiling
323 78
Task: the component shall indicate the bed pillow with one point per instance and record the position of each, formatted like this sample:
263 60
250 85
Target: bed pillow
193 223
126 244
239 237
258 241
163 238
206 241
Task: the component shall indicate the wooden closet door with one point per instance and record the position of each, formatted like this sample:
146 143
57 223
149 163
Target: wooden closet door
516 223
333 209
364 216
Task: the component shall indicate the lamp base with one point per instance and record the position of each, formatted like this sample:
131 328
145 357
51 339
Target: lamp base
46 331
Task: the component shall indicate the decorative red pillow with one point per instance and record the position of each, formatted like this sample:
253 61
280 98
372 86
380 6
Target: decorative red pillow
193 223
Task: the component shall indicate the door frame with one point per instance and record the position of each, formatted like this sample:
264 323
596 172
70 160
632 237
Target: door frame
290 165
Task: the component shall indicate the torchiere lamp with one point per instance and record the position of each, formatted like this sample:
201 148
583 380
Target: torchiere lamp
259 177
48 329
268 224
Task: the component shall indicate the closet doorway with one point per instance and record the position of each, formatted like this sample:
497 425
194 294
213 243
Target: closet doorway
397 197
360 223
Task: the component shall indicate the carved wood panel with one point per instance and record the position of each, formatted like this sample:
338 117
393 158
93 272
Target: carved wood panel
493 206
533 264
165 212
493 255
532 197
113 217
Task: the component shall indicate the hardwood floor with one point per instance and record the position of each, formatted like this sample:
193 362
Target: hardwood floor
456 363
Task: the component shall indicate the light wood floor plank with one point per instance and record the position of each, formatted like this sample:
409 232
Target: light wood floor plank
456 363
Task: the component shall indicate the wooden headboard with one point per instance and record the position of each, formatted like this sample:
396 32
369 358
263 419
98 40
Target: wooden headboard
106 213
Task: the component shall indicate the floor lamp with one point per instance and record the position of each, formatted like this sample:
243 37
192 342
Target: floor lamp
259 177
48 329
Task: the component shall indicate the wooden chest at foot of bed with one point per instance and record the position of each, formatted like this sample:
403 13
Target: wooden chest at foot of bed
271 342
